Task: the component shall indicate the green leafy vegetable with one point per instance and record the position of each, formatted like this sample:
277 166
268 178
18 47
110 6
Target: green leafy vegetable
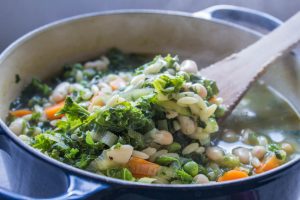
174 147
122 173
73 110
121 118
183 176
168 84
191 168
89 139
166 160
274 147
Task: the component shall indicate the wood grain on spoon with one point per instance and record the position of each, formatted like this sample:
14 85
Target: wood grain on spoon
235 73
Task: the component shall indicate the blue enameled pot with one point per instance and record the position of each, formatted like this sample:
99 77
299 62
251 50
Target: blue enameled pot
206 37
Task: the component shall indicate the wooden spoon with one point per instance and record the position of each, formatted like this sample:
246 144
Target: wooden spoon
235 73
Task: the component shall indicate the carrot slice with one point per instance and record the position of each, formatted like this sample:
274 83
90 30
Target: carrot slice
213 99
52 110
117 83
142 168
20 113
232 175
271 163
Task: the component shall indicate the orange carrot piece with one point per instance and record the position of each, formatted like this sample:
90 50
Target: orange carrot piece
213 99
20 113
117 83
232 175
271 163
142 168
52 110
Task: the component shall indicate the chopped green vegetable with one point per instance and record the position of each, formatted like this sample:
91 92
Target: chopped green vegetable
168 84
174 147
191 168
89 139
73 110
166 160
184 177
122 173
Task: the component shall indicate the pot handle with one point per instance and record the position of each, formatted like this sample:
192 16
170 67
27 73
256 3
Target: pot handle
78 188
245 17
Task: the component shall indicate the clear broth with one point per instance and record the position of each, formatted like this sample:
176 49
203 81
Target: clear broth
268 113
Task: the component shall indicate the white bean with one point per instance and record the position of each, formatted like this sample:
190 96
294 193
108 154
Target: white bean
190 148
230 136
95 89
149 151
115 100
98 64
189 66
140 154
137 79
201 179
120 154
259 151
200 150
163 137
262 140
187 101
200 89
17 126
155 67
255 162
288 148
105 88
25 139
60 92
243 154
187 125
87 94
215 153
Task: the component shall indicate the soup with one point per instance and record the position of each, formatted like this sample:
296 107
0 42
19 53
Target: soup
154 121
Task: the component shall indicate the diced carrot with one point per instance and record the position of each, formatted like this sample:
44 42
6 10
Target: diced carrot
213 100
117 83
52 110
142 168
20 113
271 163
232 175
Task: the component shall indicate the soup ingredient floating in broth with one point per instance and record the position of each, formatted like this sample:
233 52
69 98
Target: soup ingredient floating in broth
149 123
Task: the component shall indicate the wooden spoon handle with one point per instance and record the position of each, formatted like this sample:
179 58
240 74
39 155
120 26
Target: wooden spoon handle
235 73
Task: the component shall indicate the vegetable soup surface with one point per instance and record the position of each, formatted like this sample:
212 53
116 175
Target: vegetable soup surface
135 118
